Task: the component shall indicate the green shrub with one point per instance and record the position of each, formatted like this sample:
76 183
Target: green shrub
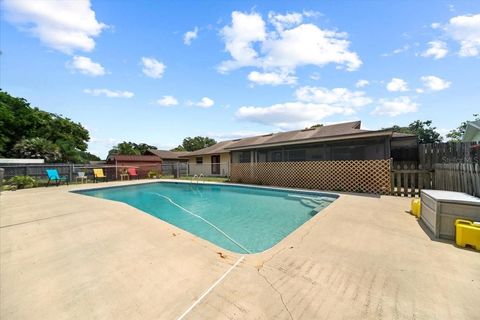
21 182
152 174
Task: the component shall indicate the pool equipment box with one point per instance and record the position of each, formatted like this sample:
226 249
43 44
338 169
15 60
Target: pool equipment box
441 208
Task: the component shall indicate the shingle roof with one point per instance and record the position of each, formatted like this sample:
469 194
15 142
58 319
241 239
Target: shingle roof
300 135
168 155
340 131
215 149
401 135
124 157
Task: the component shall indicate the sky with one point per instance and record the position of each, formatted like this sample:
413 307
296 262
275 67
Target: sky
159 71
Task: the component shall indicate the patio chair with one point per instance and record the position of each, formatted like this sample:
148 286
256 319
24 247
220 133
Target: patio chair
55 177
132 172
81 176
99 174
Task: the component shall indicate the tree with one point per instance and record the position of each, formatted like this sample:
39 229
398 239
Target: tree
18 121
315 126
456 135
130 148
195 143
423 129
37 148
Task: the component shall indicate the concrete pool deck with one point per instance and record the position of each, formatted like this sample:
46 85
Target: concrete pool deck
69 256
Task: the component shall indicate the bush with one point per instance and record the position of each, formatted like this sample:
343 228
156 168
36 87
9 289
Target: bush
21 182
153 174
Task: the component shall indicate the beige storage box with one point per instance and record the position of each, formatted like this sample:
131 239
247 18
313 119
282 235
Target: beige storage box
441 208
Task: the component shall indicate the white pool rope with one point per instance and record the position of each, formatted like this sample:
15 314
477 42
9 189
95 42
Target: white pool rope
203 219
312 198
210 289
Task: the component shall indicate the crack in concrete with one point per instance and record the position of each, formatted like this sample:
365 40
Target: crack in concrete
278 292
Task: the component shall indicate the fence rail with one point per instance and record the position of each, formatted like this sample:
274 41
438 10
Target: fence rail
408 181
463 177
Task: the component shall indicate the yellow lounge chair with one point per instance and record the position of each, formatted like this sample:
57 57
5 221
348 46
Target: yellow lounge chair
98 174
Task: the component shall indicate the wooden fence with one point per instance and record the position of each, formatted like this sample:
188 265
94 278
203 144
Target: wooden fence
371 176
407 181
463 177
409 177
430 154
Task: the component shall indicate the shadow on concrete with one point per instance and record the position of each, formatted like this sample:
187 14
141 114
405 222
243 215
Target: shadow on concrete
432 237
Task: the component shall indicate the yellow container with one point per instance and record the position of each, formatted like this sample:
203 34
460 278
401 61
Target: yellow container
415 207
467 233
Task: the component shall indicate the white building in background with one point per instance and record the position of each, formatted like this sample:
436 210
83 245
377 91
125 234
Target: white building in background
21 161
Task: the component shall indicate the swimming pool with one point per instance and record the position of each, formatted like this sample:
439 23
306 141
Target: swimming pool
238 218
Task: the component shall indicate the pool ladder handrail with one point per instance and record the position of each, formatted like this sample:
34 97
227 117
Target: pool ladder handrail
198 177
194 176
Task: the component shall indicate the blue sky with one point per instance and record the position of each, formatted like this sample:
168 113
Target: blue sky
157 71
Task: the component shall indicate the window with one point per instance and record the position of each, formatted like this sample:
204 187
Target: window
241 156
296 155
277 156
199 160
244 157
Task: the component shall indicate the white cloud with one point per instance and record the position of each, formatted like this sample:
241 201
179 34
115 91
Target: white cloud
109 93
86 66
282 21
311 106
397 84
435 25
288 45
271 78
437 50
397 51
167 101
205 102
466 30
288 115
239 38
396 106
189 36
435 83
340 97
153 68
65 26
362 83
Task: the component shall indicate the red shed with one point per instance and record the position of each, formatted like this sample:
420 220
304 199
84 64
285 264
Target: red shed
143 163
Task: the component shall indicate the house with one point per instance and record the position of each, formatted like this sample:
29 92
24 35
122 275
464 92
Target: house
143 163
343 141
472 131
213 160
169 157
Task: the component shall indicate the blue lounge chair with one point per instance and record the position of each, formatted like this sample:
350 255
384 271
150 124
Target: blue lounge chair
55 177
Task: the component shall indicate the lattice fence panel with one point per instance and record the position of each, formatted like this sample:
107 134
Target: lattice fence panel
370 176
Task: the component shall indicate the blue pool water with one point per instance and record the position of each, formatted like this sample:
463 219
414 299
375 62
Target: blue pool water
240 219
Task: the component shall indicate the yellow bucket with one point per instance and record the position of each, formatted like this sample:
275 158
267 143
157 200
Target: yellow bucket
415 207
467 233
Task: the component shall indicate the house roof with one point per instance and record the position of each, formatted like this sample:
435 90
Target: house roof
472 131
168 155
340 131
220 147
402 135
133 158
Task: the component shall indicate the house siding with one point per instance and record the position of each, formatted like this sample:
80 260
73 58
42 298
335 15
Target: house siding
206 167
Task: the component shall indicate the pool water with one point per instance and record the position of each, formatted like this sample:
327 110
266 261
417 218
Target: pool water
237 218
